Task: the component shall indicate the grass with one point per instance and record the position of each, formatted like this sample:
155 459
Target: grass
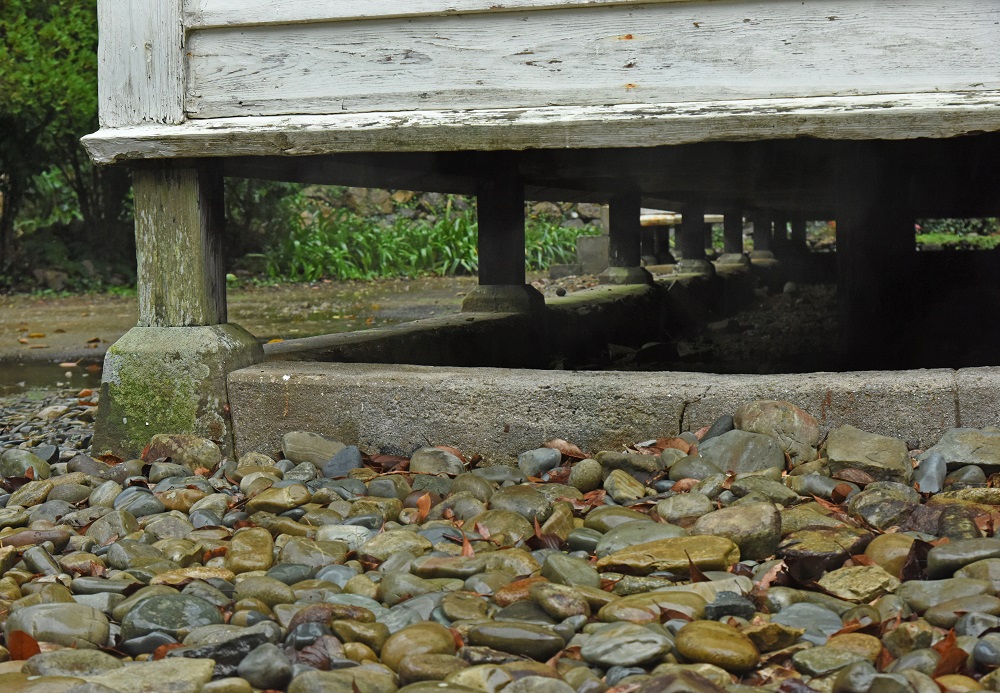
338 244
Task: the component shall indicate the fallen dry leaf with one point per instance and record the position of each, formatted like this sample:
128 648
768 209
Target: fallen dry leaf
565 447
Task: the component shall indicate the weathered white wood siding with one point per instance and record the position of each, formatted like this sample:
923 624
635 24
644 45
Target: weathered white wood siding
893 117
620 53
141 62
215 13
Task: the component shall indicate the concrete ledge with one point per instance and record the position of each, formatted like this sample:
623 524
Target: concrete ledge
499 413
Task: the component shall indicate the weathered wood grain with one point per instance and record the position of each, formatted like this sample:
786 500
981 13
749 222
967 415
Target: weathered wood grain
620 54
178 233
140 62
217 13
894 117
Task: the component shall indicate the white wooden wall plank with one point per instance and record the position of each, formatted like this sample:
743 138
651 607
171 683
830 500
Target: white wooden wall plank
140 62
894 117
222 13
654 53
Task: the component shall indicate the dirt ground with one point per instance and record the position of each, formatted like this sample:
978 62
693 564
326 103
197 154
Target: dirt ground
777 333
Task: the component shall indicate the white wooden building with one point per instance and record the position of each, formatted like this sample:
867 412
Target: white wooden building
872 112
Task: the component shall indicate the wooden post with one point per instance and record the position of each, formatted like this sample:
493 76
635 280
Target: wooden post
179 217
500 212
875 242
798 242
624 228
779 236
168 374
733 232
692 232
762 236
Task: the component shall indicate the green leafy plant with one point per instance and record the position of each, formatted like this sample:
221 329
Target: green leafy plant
326 242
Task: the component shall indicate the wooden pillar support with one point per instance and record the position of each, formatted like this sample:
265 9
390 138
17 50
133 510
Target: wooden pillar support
168 374
732 235
691 232
733 232
798 241
875 244
624 229
762 237
500 214
178 232
779 236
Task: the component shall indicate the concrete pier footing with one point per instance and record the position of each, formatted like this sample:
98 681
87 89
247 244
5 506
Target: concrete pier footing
498 413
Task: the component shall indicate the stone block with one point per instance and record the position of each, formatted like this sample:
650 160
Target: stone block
170 380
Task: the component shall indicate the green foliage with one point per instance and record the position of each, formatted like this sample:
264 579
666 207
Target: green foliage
951 240
50 201
982 233
48 78
258 213
338 243
982 226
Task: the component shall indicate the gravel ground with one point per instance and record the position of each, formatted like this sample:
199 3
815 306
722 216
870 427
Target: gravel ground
759 553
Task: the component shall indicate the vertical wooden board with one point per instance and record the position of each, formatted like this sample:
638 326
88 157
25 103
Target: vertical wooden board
178 218
140 62
621 54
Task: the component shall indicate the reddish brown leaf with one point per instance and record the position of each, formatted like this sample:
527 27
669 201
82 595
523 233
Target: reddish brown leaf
213 553
21 645
320 653
467 549
700 433
855 476
672 614
482 530
161 651
457 637
454 451
728 483
915 565
676 442
840 493
559 475
684 485
202 471
885 658
861 559
566 448
390 463
953 657
696 574
29 473
827 505
423 506
772 576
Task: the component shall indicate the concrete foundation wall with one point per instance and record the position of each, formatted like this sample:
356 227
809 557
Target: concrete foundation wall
501 412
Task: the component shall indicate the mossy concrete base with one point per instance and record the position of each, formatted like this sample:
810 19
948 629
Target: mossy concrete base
625 275
170 380
734 259
504 298
692 266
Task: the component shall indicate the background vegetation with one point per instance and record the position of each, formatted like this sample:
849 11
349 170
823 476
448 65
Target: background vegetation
67 224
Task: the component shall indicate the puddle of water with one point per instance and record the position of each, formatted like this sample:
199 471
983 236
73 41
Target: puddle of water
68 326
16 379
